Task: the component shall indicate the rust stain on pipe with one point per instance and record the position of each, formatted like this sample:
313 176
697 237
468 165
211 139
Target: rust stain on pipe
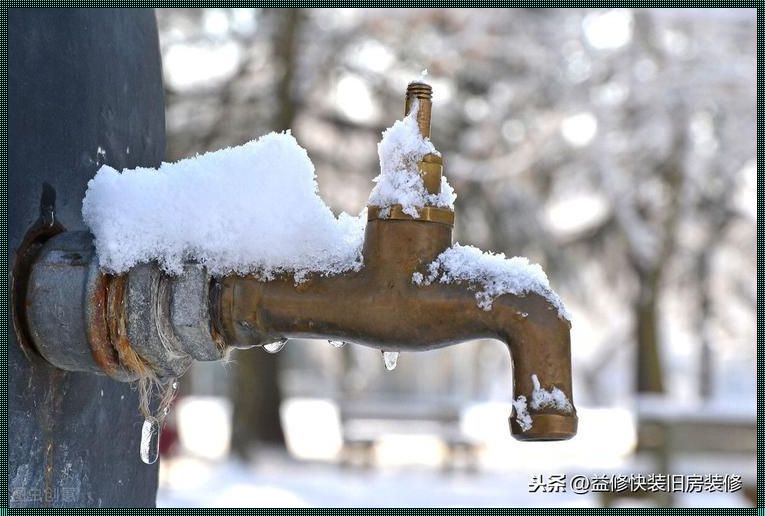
100 344
26 253
106 330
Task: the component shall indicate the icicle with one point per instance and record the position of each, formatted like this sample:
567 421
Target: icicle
152 423
150 440
337 343
275 347
390 358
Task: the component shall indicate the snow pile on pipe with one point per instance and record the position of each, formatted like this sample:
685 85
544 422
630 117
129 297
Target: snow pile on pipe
401 148
491 275
248 209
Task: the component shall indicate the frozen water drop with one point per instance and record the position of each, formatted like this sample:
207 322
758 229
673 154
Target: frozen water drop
337 343
390 358
275 347
150 440
175 385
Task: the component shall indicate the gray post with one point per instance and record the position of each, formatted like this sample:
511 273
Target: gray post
85 88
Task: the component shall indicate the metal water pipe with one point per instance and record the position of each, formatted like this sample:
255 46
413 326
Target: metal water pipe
147 323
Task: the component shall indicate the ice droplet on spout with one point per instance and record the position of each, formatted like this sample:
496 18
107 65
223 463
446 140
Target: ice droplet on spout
337 343
150 440
275 347
390 358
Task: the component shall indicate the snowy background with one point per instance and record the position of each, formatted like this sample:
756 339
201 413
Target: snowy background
614 147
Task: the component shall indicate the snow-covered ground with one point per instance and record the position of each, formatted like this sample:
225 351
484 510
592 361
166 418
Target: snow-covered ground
280 482
407 466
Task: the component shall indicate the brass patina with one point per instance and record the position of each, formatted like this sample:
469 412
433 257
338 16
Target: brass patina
379 306
396 212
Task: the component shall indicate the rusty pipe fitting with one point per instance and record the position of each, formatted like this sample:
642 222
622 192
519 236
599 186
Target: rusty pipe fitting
143 323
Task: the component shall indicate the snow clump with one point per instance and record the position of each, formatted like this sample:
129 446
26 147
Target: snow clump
540 398
401 148
491 275
254 208
553 398
522 416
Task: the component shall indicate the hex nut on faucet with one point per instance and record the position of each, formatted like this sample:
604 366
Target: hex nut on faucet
149 328
61 299
82 319
190 313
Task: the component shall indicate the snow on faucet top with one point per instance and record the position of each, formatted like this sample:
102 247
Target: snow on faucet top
255 209
401 148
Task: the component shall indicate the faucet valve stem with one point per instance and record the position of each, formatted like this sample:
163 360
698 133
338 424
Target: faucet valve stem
424 94
431 166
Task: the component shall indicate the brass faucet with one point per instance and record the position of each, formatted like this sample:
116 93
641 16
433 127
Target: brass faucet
150 326
379 306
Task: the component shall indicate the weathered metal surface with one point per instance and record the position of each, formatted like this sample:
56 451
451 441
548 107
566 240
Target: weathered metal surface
149 330
73 310
45 227
431 169
84 89
140 324
425 214
190 314
380 307
62 280
103 304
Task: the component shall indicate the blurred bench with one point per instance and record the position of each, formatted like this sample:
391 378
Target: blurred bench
365 422
669 434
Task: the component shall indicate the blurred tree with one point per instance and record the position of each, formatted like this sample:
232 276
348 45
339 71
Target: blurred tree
609 145
257 393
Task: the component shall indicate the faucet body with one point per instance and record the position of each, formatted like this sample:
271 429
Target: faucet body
147 323
379 306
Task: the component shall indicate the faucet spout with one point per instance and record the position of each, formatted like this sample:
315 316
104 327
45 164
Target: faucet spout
540 348
149 325
381 307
